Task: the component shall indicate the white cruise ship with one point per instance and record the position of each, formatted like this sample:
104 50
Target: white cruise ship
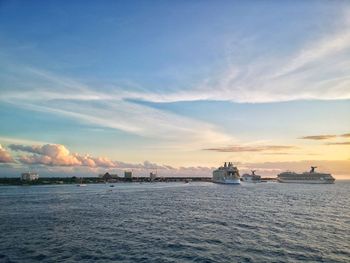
227 174
251 178
311 177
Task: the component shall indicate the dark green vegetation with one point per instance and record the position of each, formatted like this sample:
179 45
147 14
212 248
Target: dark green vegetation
51 180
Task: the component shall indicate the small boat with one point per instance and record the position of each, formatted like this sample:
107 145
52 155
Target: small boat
112 185
81 183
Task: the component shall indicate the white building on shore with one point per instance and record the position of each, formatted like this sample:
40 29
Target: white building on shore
128 174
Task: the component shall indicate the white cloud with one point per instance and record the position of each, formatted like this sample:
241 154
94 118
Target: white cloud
56 156
5 156
127 116
48 154
320 69
317 52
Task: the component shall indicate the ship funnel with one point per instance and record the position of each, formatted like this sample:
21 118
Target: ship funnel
313 169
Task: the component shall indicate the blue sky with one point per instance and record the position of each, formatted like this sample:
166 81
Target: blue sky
164 81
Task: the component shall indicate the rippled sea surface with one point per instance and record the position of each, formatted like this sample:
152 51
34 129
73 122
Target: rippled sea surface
175 222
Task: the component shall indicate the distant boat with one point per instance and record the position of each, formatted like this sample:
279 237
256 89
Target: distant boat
152 176
227 174
310 177
81 183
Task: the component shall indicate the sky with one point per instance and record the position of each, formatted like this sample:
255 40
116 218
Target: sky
177 87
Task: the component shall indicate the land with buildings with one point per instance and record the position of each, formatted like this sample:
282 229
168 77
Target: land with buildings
96 180
34 179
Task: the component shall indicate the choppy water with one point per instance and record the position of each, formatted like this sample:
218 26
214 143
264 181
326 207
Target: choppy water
176 222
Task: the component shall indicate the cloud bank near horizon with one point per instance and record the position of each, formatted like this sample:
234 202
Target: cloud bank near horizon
58 156
57 159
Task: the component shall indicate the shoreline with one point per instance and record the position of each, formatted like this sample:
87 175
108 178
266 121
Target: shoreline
99 180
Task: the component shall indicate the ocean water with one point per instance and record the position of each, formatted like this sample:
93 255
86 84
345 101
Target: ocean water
175 222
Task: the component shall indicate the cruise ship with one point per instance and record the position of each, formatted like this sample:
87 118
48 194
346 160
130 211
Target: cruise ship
227 174
251 178
311 177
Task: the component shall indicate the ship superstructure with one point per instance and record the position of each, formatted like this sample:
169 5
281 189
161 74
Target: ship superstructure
310 177
227 174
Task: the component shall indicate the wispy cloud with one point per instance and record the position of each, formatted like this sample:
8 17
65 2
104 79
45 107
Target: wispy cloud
318 137
259 148
267 79
13 140
324 136
338 143
139 120
330 45
288 153
302 74
109 109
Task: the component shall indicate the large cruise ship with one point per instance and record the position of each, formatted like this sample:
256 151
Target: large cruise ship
311 177
227 174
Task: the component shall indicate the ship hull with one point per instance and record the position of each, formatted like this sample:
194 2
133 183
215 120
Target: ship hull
306 181
249 180
227 181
